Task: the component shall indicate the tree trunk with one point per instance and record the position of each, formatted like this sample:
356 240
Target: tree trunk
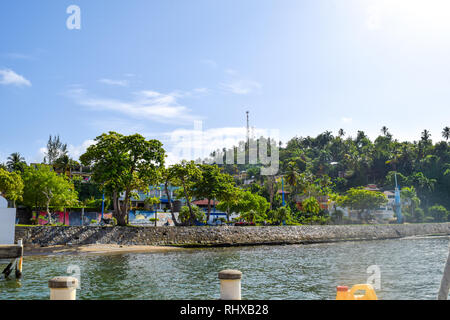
271 182
209 211
169 199
191 220
48 213
118 214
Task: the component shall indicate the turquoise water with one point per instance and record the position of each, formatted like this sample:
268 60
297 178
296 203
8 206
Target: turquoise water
410 269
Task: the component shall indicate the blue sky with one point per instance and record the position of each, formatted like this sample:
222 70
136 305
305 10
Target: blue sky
155 67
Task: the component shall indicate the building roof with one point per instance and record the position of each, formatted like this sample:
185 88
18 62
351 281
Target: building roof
372 187
204 202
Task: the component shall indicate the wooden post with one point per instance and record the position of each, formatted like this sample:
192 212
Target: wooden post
63 288
19 261
230 284
15 253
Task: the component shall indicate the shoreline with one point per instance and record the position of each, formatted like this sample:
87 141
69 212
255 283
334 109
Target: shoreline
60 240
37 250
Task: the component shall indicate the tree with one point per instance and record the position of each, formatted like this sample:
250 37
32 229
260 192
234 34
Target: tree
362 200
186 174
151 202
438 212
45 188
411 201
65 164
123 164
425 136
292 175
190 215
55 149
282 215
311 205
230 200
212 184
15 162
11 185
168 177
341 133
252 206
385 131
446 133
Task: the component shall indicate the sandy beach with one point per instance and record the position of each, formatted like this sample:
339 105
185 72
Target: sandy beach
33 250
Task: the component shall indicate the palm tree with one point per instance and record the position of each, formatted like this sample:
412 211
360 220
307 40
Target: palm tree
341 133
15 162
385 131
292 175
446 133
425 135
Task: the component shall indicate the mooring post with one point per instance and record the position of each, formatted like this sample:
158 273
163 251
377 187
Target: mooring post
230 284
445 283
19 262
63 288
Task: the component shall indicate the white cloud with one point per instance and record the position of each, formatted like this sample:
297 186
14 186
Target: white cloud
145 105
211 63
346 120
76 151
19 56
238 84
241 86
9 77
231 72
373 20
121 83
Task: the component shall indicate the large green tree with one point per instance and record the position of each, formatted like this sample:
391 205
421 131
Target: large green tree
11 185
186 174
45 188
213 184
362 200
123 164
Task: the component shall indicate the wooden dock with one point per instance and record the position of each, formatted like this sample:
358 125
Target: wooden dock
13 253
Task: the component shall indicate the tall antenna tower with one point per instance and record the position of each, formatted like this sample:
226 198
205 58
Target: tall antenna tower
248 128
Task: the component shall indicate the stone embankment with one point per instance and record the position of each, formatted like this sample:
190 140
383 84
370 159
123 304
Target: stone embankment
222 236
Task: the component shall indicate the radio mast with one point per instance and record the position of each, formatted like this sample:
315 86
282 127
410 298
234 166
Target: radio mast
248 128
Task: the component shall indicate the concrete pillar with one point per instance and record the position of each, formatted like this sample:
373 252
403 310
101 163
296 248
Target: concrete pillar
230 284
63 288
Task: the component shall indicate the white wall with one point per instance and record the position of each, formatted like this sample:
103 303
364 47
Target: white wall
7 225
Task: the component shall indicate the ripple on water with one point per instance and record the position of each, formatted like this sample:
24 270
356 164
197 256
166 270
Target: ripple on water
410 269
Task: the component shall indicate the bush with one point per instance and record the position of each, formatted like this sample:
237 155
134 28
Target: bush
438 212
419 215
314 220
184 214
337 215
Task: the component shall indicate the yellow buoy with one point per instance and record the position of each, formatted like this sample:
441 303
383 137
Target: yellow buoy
343 293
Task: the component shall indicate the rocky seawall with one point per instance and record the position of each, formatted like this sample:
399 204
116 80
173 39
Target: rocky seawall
222 236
